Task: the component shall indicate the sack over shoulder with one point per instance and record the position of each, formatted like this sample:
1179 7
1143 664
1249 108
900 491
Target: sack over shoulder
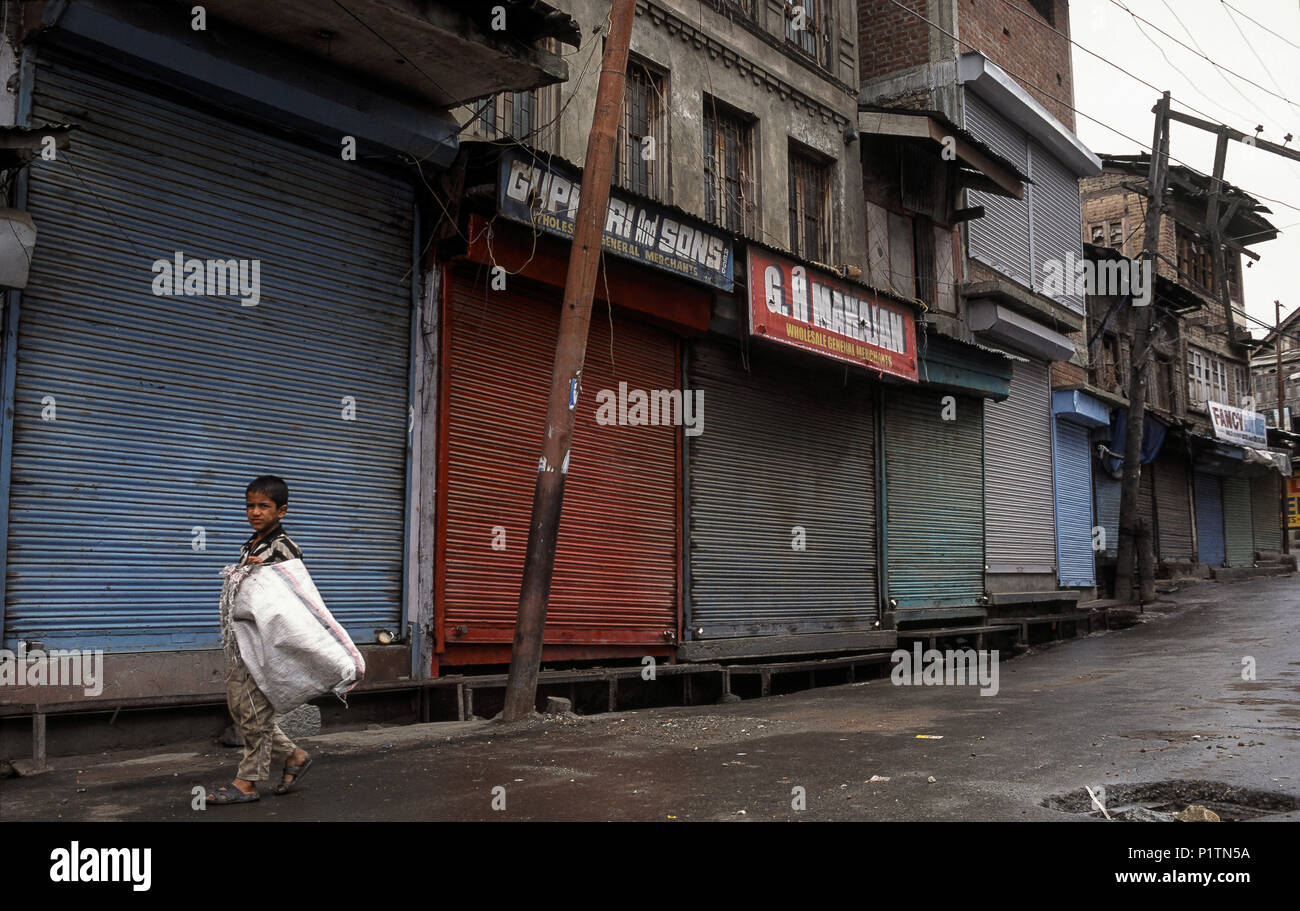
293 647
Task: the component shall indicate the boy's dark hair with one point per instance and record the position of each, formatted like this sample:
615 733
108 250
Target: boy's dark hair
272 487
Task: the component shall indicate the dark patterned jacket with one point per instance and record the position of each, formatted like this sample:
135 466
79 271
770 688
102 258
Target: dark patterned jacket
274 547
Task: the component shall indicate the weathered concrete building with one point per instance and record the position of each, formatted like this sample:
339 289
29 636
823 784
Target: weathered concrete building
1210 498
1002 72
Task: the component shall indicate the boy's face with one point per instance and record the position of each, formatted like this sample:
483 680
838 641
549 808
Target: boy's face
262 512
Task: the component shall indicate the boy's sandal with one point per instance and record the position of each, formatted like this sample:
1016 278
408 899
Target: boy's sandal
294 772
231 794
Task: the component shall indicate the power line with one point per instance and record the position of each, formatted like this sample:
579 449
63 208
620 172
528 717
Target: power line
1084 114
1199 54
1268 72
1260 24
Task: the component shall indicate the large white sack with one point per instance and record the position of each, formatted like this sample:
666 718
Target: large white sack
293 647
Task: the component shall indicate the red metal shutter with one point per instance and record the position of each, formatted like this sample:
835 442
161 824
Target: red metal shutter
616 568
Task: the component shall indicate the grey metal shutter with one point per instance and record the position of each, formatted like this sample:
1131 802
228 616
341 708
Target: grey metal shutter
1266 515
1020 521
1001 238
781 448
168 406
1147 502
1057 222
1106 491
934 500
1073 505
1173 510
1209 518
1238 528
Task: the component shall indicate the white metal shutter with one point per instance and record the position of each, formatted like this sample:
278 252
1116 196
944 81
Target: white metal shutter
1001 238
1057 222
168 406
1019 519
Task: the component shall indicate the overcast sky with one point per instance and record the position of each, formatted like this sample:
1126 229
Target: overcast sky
1243 51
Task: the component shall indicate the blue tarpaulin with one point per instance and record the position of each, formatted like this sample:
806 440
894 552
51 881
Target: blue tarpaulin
1153 437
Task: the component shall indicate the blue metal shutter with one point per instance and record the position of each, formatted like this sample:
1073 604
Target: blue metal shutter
1265 509
1001 238
1073 505
934 496
1209 519
169 406
1238 528
782 447
1020 516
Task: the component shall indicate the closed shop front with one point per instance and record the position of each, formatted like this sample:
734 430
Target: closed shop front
616 575
1238 526
1266 512
1020 532
782 497
1208 492
934 486
143 406
1173 508
1075 414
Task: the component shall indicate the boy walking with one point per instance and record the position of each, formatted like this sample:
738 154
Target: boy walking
266 502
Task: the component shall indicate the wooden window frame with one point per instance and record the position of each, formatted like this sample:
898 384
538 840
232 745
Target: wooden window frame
731 195
803 167
628 160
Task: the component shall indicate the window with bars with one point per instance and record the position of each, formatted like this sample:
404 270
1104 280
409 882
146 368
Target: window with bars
1240 386
531 117
744 8
1195 259
729 179
1117 234
1207 378
1098 233
642 136
809 207
807 27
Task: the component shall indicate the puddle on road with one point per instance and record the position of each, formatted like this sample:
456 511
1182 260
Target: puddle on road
1158 801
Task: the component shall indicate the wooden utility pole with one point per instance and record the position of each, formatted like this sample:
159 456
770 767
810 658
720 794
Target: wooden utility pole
566 378
1281 412
1134 535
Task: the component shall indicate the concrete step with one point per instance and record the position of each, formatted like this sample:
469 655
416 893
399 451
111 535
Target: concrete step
1243 573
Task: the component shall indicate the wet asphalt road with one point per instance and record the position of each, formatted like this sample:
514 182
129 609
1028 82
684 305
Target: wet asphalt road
1159 701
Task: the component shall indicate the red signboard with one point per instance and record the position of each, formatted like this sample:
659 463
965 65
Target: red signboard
820 312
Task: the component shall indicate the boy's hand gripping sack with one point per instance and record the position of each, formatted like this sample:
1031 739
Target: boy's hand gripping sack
293 647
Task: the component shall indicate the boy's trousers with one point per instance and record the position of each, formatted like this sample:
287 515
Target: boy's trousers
264 742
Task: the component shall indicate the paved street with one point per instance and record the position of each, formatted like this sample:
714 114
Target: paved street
1164 700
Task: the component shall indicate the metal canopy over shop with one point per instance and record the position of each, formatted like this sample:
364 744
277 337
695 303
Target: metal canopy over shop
782 503
127 500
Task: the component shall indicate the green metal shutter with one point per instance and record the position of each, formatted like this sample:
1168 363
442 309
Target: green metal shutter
934 500
124 509
1266 513
781 448
1239 532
